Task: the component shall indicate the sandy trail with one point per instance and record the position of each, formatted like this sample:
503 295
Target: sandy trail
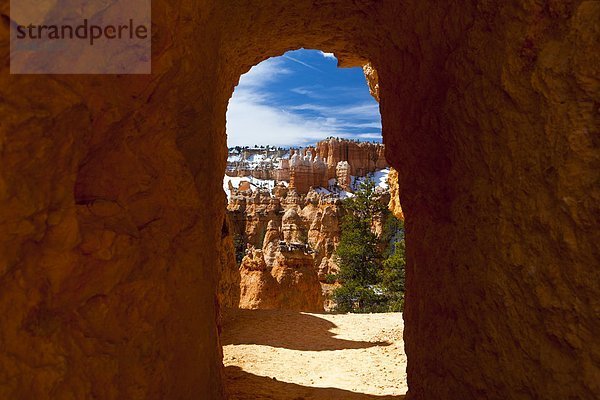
291 355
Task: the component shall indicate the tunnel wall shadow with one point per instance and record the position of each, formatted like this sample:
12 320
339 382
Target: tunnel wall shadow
265 388
285 329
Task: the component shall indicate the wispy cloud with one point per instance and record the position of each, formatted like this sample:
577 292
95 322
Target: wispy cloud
302 63
334 92
368 125
373 136
366 110
304 91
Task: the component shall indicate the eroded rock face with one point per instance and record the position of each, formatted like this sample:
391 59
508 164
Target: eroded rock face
258 288
300 233
258 219
111 205
343 175
394 189
290 284
299 284
309 167
362 157
229 282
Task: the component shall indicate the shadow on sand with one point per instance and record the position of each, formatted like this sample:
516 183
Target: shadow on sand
246 386
285 329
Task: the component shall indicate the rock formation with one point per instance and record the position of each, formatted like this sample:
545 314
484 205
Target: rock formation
343 175
298 283
311 166
291 283
229 284
394 190
111 207
306 172
258 288
272 221
292 213
362 157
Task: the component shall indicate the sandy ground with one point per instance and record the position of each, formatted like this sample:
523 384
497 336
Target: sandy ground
290 355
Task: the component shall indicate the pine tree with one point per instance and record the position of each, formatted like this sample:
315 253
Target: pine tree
371 267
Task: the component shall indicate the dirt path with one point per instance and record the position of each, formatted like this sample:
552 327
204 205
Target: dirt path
290 355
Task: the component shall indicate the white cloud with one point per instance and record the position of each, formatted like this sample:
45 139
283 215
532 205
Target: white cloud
253 119
260 75
373 135
250 122
328 55
303 91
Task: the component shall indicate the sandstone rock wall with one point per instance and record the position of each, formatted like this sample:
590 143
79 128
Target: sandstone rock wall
362 157
262 220
229 281
111 205
258 288
394 204
291 283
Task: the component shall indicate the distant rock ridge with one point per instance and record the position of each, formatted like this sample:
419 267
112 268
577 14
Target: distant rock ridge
312 166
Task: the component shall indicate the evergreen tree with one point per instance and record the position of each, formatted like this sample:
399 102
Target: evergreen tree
371 267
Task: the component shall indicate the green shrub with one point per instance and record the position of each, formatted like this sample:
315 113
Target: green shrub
330 278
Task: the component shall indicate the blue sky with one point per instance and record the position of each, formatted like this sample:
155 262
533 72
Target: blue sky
300 98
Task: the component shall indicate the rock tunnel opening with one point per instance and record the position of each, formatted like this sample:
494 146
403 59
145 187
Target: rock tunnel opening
111 197
304 139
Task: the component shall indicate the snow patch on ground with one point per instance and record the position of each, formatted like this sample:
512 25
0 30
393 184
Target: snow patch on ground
380 178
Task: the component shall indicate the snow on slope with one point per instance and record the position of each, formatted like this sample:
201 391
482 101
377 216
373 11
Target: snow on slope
254 182
380 177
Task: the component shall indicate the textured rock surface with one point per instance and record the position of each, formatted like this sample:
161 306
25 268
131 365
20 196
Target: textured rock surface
229 282
295 233
309 167
262 219
290 284
362 157
298 281
394 189
309 225
258 288
111 206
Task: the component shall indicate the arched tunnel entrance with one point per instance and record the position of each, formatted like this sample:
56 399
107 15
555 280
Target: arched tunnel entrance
111 203
304 144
